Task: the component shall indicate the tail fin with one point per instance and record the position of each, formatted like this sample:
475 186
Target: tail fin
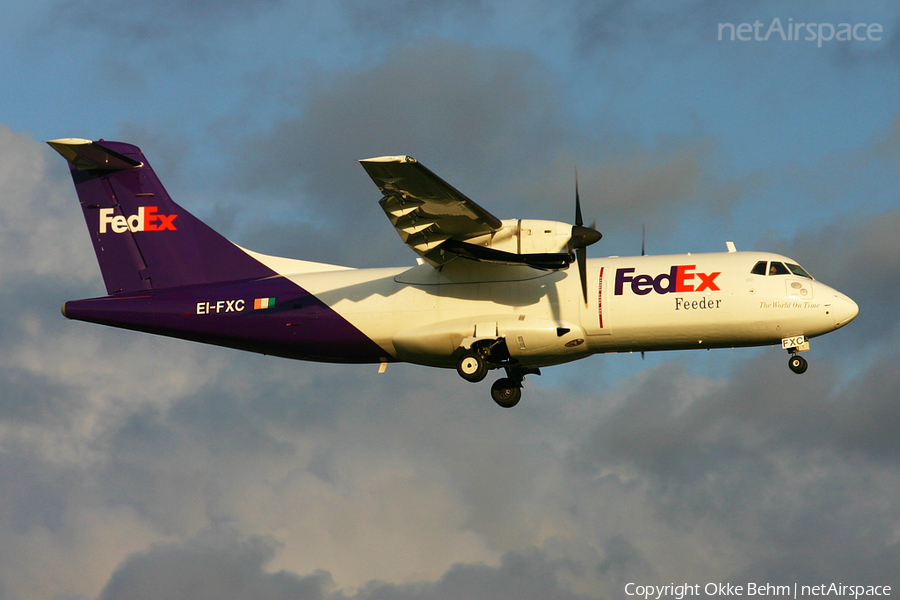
144 240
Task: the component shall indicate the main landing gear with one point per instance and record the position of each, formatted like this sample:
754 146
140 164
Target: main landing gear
471 367
795 346
506 391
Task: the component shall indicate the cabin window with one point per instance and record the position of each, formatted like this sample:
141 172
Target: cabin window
759 268
798 271
777 268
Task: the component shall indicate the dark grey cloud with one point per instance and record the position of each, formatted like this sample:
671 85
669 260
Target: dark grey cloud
612 24
887 49
487 120
222 565
30 397
480 118
604 24
215 565
123 22
411 16
691 27
531 576
860 256
623 563
195 446
34 494
673 433
798 472
474 110
888 148
785 467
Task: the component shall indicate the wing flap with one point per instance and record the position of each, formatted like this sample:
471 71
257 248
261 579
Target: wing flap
424 209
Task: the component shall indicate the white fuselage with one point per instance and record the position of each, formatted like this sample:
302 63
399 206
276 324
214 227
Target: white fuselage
641 303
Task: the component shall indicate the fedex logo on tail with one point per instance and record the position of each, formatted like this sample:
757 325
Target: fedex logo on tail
680 278
146 219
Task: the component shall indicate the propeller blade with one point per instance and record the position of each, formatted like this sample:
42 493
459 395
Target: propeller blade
578 220
581 255
581 238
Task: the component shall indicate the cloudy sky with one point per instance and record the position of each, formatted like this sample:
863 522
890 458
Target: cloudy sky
140 467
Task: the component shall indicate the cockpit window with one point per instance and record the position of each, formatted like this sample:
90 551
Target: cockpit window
759 268
777 268
798 271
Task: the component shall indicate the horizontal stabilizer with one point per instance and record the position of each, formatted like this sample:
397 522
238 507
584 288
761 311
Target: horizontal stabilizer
86 155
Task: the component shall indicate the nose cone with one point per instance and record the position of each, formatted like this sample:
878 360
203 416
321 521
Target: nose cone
845 310
582 237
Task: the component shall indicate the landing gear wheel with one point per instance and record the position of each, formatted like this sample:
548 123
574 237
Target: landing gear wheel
798 364
506 392
471 367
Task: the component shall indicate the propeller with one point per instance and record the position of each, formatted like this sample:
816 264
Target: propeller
582 237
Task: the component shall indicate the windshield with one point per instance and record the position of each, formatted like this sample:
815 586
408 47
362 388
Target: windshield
759 268
779 268
798 271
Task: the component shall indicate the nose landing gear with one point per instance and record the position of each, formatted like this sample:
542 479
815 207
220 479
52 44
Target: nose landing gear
794 346
797 364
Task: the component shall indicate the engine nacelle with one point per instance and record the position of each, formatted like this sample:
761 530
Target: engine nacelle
527 236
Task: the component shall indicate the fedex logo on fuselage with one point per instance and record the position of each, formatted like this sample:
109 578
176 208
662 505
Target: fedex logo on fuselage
680 278
146 219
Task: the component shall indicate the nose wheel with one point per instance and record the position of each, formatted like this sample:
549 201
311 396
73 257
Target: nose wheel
795 345
798 364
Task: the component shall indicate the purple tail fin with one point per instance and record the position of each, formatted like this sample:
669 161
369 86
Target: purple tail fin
142 238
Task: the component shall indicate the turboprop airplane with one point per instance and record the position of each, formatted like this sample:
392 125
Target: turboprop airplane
514 294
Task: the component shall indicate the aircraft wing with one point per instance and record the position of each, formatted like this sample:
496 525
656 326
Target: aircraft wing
426 210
